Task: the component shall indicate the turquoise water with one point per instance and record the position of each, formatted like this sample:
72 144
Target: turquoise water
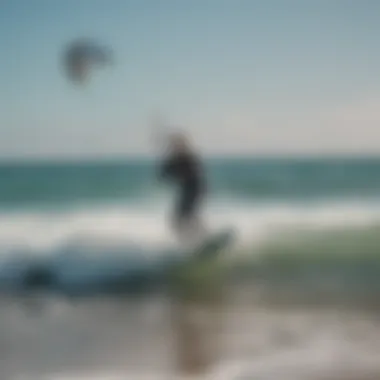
311 221
250 179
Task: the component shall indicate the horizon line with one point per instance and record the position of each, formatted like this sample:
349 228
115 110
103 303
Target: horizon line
36 160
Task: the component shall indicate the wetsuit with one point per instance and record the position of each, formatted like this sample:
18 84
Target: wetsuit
185 170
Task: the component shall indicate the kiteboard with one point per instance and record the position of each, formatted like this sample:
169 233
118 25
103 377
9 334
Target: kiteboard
201 274
214 244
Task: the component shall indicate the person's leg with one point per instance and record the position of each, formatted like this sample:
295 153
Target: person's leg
179 228
188 225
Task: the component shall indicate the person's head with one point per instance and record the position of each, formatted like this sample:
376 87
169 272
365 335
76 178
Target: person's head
178 143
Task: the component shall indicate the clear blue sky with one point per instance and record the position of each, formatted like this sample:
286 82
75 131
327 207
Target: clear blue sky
244 76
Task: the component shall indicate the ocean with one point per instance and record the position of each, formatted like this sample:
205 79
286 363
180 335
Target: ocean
85 247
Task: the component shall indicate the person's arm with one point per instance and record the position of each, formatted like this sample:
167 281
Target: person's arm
167 169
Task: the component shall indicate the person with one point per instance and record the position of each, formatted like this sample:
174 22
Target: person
183 167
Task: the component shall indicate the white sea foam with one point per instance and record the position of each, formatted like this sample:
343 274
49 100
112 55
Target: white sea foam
147 226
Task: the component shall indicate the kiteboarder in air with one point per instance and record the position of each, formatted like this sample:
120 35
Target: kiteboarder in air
183 167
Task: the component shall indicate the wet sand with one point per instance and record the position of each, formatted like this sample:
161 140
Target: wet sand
155 338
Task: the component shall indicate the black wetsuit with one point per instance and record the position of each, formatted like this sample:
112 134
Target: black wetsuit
185 170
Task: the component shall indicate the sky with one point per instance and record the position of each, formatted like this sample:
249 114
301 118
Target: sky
243 77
